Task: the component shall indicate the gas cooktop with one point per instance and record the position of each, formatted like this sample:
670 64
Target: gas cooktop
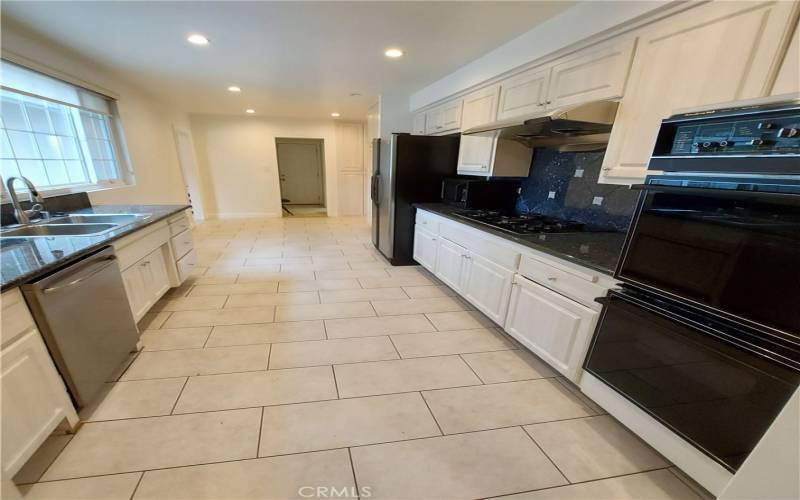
522 223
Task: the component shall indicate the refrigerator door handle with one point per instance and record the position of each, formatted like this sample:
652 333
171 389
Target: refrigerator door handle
376 189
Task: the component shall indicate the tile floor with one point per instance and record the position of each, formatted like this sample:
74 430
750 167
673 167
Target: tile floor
296 363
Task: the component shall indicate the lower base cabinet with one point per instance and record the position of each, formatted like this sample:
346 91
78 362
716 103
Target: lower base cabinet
146 281
555 328
450 264
425 249
488 287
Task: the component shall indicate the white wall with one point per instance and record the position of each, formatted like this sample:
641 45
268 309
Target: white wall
584 20
239 164
146 121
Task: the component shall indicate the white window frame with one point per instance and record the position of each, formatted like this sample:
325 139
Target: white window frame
115 129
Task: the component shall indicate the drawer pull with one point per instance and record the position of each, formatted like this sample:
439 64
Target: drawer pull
551 278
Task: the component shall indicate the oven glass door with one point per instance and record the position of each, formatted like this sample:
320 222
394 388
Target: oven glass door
735 252
716 395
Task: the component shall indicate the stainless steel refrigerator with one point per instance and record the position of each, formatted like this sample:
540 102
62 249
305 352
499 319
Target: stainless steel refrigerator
406 169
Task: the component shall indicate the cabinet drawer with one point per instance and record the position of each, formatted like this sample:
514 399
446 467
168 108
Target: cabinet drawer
428 221
182 244
135 247
480 244
186 265
16 318
575 284
179 224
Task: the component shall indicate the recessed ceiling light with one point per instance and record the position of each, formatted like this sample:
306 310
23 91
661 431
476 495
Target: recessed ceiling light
250 111
393 53
234 88
197 39
335 115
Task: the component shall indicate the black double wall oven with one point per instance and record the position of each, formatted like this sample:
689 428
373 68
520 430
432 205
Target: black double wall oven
704 334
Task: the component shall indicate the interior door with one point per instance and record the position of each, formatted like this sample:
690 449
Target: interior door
300 170
190 172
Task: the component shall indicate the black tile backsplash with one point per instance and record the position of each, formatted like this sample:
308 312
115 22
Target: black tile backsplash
60 203
564 185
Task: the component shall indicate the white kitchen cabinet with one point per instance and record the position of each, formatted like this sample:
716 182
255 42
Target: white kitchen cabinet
425 248
450 267
555 328
418 127
524 94
476 153
595 73
717 52
351 193
35 399
488 287
444 119
146 281
350 147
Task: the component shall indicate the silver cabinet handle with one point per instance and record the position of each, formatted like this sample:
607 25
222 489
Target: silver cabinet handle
548 102
551 278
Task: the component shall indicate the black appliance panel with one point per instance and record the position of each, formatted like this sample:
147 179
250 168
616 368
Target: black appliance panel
698 377
480 194
733 248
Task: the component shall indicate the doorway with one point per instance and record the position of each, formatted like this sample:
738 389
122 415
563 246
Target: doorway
301 171
189 171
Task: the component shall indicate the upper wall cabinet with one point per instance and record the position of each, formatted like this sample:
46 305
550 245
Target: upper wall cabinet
476 153
444 119
418 128
716 52
599 72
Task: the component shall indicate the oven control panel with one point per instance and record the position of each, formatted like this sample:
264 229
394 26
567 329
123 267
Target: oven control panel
776 134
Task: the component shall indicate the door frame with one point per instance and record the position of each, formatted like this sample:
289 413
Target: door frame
191 179
320 143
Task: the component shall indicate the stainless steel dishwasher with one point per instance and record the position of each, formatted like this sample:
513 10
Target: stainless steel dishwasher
83 314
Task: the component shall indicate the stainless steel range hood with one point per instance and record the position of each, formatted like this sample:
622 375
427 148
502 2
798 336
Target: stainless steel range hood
578 127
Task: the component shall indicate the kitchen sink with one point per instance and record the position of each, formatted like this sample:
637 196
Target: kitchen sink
118 219
59 230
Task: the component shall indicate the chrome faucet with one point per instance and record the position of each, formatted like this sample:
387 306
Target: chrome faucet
37 209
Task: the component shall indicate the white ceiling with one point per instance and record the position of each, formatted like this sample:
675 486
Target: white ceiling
290 58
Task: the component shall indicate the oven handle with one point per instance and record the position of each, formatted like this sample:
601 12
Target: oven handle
709 191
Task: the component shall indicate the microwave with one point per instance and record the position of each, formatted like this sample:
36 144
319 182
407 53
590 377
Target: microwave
480 194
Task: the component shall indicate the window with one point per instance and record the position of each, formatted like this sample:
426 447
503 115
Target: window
60 136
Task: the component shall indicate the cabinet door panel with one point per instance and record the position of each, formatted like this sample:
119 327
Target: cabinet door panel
675 68
425 247
598 74
451 115
524 94
475 154
554 327
136 289
488 287
450 264
35 400
419 124
350 147
155 276
351 194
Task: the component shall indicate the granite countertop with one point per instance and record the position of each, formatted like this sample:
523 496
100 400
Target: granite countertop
596 250
23 259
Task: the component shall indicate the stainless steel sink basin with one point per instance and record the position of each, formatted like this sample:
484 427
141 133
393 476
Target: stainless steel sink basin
59 230
119 219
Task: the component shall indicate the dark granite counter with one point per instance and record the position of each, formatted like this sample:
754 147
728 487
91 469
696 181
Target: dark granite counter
23 259
596 250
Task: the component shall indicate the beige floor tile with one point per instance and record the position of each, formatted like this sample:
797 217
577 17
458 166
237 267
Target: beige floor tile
272 299
153 320
155 442
324 311
345 422
216 280
428 291
415 345
351 274
594 448
164 364
329 266
400 271
256 276
374 264
314 285
266 333
474 465
654 485
269 261
137 398
116 487
333 296
190 304
501 405
241 390
384 325
329 352
462 320
174 338
417 306
397 281
234 289
405 375
507 366
276 478
217 317
41 459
